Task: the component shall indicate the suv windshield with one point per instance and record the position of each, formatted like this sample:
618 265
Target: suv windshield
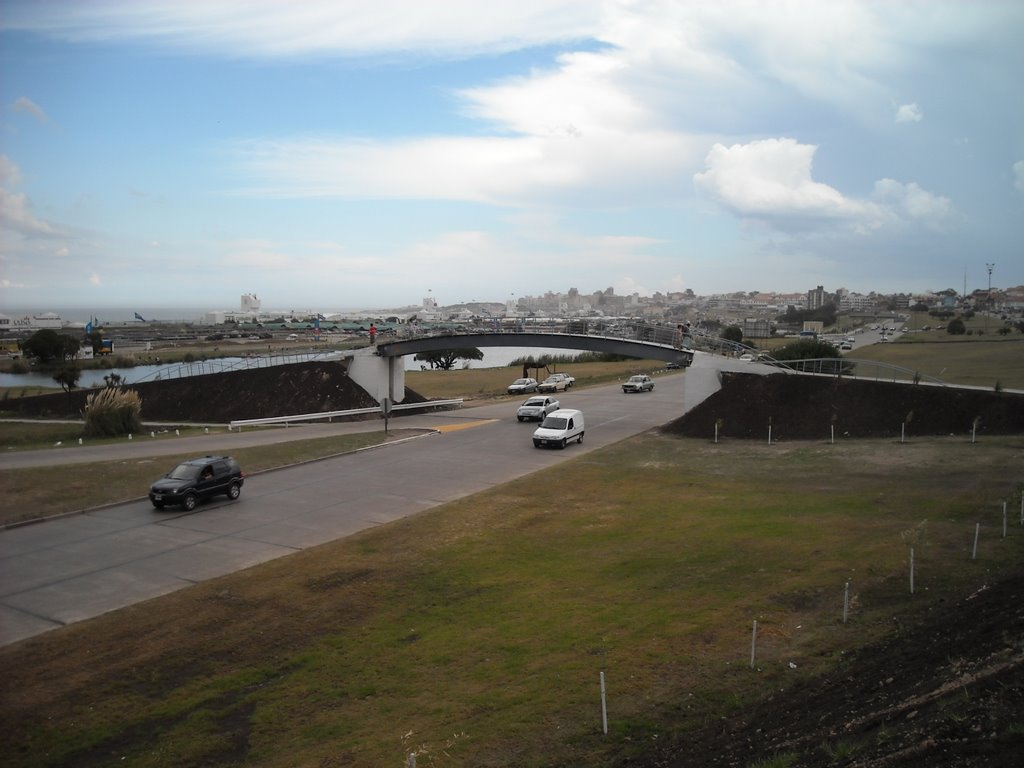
184 472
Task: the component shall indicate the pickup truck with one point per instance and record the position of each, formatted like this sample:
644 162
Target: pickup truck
556 382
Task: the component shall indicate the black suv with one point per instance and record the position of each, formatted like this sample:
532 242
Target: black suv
197 479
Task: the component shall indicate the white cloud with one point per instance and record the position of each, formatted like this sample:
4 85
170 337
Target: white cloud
909 201
772 177
16 216
16 210
1018 175
771 180
270 28
909 113
494 170
95 279
10 174
24 104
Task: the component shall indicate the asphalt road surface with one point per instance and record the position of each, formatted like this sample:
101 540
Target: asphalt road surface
80 566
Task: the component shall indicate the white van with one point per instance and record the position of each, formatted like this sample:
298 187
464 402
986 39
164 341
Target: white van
558 428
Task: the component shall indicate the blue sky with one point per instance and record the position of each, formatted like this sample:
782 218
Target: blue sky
337 155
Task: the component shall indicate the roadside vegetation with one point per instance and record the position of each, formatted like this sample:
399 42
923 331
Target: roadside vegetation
31 493
475 634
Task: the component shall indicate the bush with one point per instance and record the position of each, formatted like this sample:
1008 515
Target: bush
111 411
956 327
733 333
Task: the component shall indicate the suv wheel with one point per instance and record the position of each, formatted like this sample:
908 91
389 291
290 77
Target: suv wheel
234 491
189 502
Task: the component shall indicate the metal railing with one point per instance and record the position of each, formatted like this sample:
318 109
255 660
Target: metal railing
331 415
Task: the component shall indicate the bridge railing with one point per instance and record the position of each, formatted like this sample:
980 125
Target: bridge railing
225 365
331 415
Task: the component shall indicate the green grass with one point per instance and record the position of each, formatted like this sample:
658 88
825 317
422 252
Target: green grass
475 633
477 383
31 493
966 360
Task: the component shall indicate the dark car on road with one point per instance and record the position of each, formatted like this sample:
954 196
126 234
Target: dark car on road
196 479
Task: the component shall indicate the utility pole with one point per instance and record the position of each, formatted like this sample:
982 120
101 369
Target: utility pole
988 302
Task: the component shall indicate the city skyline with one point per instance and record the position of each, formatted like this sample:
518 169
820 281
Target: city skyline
157 155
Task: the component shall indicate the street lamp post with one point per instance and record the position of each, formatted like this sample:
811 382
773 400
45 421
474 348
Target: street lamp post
988 301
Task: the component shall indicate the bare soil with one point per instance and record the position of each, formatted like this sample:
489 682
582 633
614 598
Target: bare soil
811 408
259 393
947 690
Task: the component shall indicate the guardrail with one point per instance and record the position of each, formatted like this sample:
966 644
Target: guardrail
330 415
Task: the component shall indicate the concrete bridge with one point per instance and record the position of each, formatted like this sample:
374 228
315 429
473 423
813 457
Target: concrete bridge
380 370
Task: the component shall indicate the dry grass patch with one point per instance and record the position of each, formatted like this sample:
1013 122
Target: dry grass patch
478 630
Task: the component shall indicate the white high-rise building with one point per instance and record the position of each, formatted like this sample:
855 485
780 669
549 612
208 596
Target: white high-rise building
250 303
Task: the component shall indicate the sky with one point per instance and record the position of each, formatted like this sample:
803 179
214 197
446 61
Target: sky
347 154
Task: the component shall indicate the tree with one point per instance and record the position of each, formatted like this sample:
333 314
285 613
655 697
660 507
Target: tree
813 350
445 359
733 333
95 340
956 327
47 345
68 377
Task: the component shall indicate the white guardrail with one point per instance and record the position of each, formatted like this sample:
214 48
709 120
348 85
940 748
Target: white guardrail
330 415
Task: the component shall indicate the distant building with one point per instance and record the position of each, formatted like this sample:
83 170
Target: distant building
816 298
49 320
756 328
250 303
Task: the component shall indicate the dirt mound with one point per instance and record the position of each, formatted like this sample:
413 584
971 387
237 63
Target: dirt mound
808 407
945 692
258 393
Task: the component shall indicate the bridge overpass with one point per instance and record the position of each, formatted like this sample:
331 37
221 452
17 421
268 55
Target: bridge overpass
380 370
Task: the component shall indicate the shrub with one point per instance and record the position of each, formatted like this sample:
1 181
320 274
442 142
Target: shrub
113 411
733 333
956 327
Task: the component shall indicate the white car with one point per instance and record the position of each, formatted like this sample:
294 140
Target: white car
641 382
555 382
522 386
536 408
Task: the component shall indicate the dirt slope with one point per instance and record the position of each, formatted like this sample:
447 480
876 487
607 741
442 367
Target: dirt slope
806 408
282 390
946 692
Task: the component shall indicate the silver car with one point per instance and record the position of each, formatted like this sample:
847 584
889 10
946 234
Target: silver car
522 386
536 408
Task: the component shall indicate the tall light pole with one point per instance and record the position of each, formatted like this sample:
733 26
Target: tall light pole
988 302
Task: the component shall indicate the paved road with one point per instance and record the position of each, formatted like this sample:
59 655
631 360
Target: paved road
81 566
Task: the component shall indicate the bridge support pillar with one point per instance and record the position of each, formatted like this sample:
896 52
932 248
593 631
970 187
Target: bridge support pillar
380 376
704 376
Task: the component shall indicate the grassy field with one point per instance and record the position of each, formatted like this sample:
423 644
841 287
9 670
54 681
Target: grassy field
955 359
475 634
484 383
